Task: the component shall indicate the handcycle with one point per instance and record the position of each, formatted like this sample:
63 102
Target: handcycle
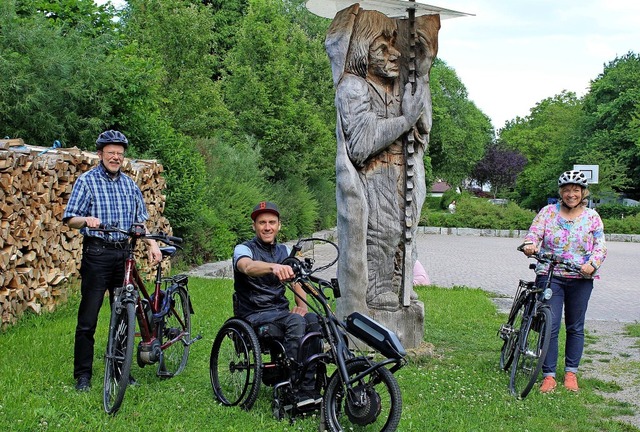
360 392
164 319
527 332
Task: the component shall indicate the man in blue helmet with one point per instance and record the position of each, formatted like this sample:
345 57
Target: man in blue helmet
102 195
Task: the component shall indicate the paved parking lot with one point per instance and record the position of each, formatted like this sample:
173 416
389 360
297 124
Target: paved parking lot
494 264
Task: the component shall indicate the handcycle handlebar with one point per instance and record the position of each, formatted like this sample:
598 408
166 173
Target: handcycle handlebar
139 231
549 258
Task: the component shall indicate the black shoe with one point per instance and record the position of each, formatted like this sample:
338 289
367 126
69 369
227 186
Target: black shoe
83 383
133 382
306 398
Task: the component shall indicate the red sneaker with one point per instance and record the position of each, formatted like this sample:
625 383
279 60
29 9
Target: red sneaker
548 384
571 382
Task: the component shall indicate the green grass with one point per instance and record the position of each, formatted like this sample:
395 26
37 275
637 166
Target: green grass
460 388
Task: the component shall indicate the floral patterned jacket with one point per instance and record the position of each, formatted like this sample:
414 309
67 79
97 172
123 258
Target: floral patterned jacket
579 241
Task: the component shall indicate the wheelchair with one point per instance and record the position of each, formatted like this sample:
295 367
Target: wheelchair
360 391
244 357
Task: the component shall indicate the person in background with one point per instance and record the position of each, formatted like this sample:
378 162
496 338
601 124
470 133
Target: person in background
102 195
574 232
452 206
260 292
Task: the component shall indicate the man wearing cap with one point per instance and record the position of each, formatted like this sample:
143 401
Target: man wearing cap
260 292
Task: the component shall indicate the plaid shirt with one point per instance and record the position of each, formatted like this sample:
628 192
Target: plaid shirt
115 201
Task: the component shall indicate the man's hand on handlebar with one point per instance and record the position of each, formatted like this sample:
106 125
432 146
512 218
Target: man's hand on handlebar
283 272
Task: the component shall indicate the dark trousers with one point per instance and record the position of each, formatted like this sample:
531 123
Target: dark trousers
101 269
294 327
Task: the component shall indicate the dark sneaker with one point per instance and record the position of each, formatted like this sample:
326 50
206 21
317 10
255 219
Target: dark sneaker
133 382
306 398
83 383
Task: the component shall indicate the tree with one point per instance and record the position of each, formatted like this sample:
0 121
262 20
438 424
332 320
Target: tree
610 130
548 137
499 167
460 132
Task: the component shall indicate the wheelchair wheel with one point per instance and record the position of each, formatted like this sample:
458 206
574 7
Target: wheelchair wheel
235 366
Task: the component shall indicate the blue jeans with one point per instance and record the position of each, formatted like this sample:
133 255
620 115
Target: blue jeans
573 295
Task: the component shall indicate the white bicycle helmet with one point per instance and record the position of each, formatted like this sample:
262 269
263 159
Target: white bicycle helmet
573 177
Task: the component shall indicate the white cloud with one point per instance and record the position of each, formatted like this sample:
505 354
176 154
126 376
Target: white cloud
514 54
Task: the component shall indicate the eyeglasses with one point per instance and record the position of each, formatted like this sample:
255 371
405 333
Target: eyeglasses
119 155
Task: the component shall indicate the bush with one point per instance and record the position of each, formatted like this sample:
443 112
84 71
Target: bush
617 211
481 214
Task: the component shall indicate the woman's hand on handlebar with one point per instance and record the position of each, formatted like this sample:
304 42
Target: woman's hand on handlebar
587 269
528 249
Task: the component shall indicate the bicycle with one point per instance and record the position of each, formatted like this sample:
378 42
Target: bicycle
164 319
527 332
361 393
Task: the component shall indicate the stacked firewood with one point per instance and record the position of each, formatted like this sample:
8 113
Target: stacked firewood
39 255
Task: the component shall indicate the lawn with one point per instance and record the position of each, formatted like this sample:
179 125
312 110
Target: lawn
459 388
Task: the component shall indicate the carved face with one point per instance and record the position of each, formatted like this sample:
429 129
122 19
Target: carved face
383 58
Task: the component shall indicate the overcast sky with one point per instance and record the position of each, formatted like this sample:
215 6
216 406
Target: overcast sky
514 53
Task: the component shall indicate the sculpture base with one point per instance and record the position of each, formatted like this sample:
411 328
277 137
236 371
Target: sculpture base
407 323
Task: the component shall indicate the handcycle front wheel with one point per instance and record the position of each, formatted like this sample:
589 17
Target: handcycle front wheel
235 365
510 332
374 405
119 355
176 329
530 352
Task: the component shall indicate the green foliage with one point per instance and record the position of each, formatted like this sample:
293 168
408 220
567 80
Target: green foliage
611 131
628 225
547 138
617 211
447 197
479 213
460 132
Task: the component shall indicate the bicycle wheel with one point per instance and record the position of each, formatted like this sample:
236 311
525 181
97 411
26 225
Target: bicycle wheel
530 353
509 332
375 405
119 355
235 366
176 331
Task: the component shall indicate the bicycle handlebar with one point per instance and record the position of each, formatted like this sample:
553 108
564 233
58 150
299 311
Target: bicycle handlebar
139 231
549 258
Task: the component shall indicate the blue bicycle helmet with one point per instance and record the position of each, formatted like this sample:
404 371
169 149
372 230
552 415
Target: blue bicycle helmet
111 137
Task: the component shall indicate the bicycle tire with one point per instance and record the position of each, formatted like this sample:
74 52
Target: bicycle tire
511 331
383 406
175 328
531 352
235 365
119 355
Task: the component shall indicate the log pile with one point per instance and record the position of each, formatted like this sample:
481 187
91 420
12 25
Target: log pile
38 253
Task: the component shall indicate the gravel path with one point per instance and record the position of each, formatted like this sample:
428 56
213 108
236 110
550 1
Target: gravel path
614 357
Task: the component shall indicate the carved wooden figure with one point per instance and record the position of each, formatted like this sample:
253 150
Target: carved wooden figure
380 185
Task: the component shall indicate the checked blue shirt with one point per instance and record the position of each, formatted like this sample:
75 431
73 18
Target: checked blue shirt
115 201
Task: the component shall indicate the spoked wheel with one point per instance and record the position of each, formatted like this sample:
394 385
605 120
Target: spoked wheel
176 330
509 333
235 365
119 355
374 405
530 353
